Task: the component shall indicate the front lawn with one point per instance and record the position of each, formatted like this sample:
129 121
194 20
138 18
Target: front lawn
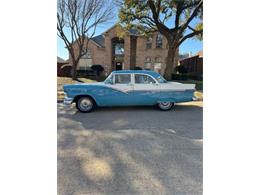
67 80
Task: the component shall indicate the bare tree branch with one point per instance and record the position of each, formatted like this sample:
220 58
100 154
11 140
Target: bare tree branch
164 29
189 36
194 13
77 21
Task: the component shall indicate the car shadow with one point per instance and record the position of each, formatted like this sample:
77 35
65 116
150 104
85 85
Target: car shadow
184 120
130 150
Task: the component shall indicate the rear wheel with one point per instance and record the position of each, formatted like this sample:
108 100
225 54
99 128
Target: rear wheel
85 104
164 106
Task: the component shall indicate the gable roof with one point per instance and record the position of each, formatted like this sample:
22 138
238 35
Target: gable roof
100 40
60 60
131 31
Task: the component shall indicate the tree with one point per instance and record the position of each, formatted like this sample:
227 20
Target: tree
172 18
77 21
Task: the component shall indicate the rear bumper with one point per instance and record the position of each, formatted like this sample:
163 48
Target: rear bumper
195 99
67 100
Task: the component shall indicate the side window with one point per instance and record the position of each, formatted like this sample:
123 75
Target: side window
122 78
149 42
143 79
159 40
85 54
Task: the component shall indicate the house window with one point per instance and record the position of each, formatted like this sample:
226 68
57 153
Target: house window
85 54
158 64
143 79
122 78
158 59
119 49
148 63
159 38
149 42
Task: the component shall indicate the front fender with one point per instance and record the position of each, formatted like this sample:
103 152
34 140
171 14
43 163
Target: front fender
85 94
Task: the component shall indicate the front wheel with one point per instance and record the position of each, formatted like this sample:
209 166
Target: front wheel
85 104
164 106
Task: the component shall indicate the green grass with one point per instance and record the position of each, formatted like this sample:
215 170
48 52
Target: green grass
67 80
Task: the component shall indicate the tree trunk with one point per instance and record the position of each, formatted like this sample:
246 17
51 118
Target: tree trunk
74 70
170 62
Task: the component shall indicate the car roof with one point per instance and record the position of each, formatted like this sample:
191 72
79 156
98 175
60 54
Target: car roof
149 72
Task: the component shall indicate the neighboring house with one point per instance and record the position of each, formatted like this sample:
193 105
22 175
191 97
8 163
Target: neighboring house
128 52
184 56
194 64
61 64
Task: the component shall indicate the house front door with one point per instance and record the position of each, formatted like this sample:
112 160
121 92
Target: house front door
118 65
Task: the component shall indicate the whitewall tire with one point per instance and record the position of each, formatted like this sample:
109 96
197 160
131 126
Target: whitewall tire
164 106
85 104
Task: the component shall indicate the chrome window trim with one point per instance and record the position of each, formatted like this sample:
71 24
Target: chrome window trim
156 82
114 78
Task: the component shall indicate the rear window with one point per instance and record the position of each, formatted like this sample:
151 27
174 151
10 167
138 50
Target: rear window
143 79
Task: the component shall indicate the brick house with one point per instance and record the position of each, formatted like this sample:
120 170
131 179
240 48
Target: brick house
194 64
60 64
125 52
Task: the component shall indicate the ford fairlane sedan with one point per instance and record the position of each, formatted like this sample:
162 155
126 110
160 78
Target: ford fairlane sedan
128 88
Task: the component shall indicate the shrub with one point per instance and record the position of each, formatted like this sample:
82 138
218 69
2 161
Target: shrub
181 69
179 77
97 68
65 71
86 72
137 68
187 76
196 77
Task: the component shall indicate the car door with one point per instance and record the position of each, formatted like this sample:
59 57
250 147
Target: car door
120 92
146 89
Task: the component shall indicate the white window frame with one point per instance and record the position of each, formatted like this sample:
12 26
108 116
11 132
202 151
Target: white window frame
155 81
114 78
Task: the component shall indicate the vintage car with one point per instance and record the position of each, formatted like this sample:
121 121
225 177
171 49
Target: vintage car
128 88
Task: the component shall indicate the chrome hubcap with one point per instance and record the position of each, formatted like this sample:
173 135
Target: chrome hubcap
85 104
165 104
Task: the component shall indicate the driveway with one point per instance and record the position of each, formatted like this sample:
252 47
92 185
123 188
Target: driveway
130 150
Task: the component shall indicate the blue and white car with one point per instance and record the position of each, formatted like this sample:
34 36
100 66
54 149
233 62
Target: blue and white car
128 88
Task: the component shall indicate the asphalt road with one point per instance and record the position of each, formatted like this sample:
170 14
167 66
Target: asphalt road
130 150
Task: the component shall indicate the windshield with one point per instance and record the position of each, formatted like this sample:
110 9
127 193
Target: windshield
109 78
160 79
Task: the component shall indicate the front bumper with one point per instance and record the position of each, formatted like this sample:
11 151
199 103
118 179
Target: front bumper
67 100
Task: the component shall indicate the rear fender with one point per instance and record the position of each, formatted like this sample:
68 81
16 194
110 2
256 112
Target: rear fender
166 100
